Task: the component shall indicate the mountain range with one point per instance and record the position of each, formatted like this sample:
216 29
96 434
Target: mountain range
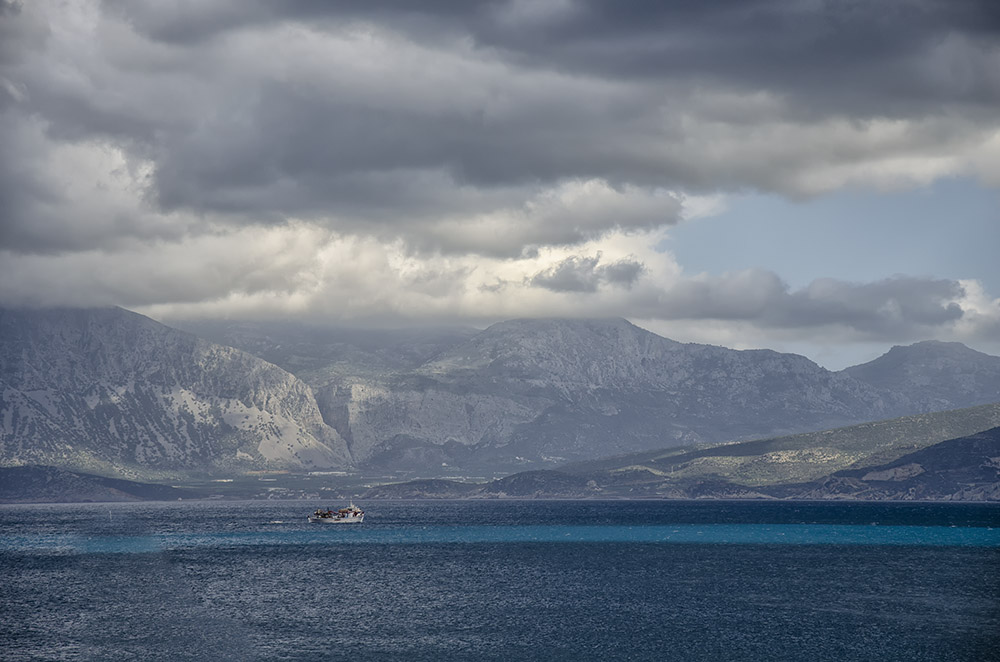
912 458
539 393
111 391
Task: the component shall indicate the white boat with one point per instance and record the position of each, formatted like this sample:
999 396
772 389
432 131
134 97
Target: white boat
350 515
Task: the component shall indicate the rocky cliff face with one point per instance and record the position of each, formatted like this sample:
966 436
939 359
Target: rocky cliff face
92 388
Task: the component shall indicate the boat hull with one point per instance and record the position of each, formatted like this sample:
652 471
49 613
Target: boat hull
337 520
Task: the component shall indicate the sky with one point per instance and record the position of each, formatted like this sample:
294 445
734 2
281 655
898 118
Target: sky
802 175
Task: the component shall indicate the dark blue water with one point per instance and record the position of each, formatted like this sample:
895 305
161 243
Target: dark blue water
523 580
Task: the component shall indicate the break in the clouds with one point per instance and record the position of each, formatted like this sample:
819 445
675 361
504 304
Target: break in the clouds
470 161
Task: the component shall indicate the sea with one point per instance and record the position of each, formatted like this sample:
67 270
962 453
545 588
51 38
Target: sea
501 580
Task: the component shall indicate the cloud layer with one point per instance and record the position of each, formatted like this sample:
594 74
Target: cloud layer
475 160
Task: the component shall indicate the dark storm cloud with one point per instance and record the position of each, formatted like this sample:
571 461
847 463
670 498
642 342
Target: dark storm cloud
837 50
862 56
193 22
385 116
453 150
302 150
259 131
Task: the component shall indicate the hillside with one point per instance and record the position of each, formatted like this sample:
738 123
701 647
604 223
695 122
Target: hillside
795 458
111 391
35 484
963 468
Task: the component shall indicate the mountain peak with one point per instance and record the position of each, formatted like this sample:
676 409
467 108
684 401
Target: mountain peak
541 324
935 347
927 353
554 348
938 371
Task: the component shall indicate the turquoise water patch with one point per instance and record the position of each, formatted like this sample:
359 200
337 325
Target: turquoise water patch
741 534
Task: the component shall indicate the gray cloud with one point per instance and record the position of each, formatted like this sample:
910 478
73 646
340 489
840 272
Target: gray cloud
622 273
899 307
586 274
279 262
21 31
457 151
883 307
258 111
825 51
574 274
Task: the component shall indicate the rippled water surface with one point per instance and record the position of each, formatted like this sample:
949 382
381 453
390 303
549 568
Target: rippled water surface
501 580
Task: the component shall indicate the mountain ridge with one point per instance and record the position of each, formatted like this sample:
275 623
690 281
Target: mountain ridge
520 394
515 390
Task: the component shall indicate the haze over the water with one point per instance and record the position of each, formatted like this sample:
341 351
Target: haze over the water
813 177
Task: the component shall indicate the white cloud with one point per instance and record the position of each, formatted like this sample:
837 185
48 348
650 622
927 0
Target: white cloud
981 321
568 214
201 270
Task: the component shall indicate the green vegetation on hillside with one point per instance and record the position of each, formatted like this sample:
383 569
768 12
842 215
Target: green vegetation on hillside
793 459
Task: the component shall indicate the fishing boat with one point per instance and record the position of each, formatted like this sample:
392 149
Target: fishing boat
349 515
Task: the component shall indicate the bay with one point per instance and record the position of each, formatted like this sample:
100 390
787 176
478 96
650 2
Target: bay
501 580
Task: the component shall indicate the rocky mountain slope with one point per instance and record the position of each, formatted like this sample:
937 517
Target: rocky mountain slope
109 389
934 375
558 390
537 393
318 354
83 388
